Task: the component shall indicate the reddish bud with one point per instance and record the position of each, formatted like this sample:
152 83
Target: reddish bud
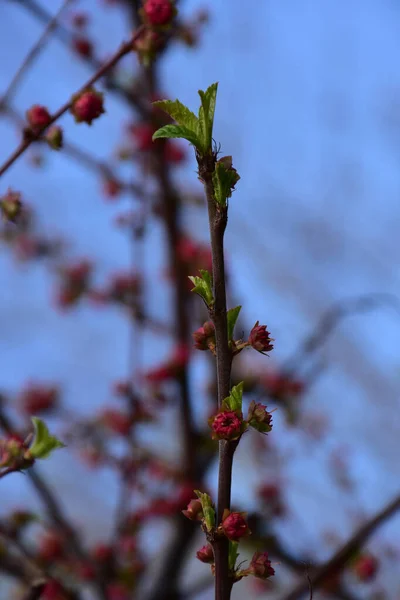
38 398
111 188
103 553
173 153
234 525
117 591
206 554
259 418
38 117
204 337
158 12
54 137
53 590
260 566
142 134
194 510
83 47
366 567
117 421
51 547
226 425
260 338
87 106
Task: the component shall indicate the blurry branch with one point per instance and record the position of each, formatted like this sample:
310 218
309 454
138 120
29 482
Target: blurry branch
331 319
83 157
32 54
66 37
53 507
35 592
342 556
124 49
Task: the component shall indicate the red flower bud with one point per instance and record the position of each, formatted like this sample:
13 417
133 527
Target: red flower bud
158 12
54 137
260 338
117 421
83 47
38 117
53 590
366 567
111 188
226 425
38 398
260 566
206 554
51 547
234 525
142 134
87 106
204 337
194 510
117 591
259 418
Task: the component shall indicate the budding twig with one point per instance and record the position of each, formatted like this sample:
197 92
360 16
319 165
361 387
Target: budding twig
125 48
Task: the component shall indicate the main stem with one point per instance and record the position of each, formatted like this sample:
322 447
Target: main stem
218 218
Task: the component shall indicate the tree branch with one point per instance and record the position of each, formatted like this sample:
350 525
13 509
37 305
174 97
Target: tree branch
125 48
341 557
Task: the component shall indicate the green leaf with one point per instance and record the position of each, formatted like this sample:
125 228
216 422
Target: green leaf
208 509
206 115
224 180
235 399
233 554
203 286
43 443
180 113
177 131
232 317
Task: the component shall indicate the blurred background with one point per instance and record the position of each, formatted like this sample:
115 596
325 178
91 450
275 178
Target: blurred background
308 106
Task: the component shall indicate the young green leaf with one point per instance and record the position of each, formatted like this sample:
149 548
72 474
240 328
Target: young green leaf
180 113
235 399
203 286
206 115
225 177
177 131
233 554
208 509
232 317
43 443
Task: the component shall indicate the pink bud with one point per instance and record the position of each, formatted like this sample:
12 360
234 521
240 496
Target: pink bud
87 106
194 510
204 337
260 566
259 418
206 554
226 425
366 567
260 338
83 47
38 398
234 525
158 12
38 117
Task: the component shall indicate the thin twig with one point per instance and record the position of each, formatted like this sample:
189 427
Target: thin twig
66 37
36 590
341 557
331 319
125 48
32 54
